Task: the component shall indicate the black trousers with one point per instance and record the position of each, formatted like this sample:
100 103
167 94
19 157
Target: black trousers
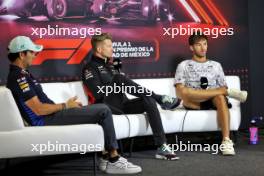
92 114
120 104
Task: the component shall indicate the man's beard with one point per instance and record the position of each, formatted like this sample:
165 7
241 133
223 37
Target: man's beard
199 55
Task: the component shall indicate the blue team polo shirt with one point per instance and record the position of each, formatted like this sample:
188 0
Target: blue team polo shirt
24 87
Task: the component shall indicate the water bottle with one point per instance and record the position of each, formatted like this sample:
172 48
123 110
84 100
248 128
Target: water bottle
253 131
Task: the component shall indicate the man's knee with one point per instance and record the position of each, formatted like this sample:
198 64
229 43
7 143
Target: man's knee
219 99
149 103
103 110
184 95
148 100
190 104
106 109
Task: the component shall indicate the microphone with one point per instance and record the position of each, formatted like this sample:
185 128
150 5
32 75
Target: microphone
117 63
204 82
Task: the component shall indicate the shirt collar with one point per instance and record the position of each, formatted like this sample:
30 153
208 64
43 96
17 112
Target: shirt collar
100 60
13 67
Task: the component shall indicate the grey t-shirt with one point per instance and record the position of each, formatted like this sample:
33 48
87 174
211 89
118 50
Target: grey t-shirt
189 73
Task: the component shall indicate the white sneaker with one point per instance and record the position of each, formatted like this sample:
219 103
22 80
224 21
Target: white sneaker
237 94
227 147
122 166
102 164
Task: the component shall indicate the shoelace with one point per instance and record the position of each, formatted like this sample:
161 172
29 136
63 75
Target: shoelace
166 148
229 144
125 160
167 99
124 164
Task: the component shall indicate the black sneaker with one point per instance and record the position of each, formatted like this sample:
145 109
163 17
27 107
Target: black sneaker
169 103
165 153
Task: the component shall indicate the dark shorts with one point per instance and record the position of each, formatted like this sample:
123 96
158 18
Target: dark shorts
209 105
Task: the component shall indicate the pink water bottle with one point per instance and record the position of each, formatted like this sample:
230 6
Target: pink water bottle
253 131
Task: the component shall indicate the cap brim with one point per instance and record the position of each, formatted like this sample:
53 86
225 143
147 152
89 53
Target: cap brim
37 48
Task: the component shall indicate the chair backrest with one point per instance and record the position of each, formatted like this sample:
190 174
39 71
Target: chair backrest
10 117
61 91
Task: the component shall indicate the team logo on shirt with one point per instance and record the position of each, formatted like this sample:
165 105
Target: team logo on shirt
35 82
102 69
88 74
23 84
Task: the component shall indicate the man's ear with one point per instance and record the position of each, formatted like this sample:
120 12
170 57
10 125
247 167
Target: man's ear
99 49
21 55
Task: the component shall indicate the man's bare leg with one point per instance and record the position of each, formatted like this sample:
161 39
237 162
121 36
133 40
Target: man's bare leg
223 114
113 153
224 120
192 99
190 104
222 111
189 94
